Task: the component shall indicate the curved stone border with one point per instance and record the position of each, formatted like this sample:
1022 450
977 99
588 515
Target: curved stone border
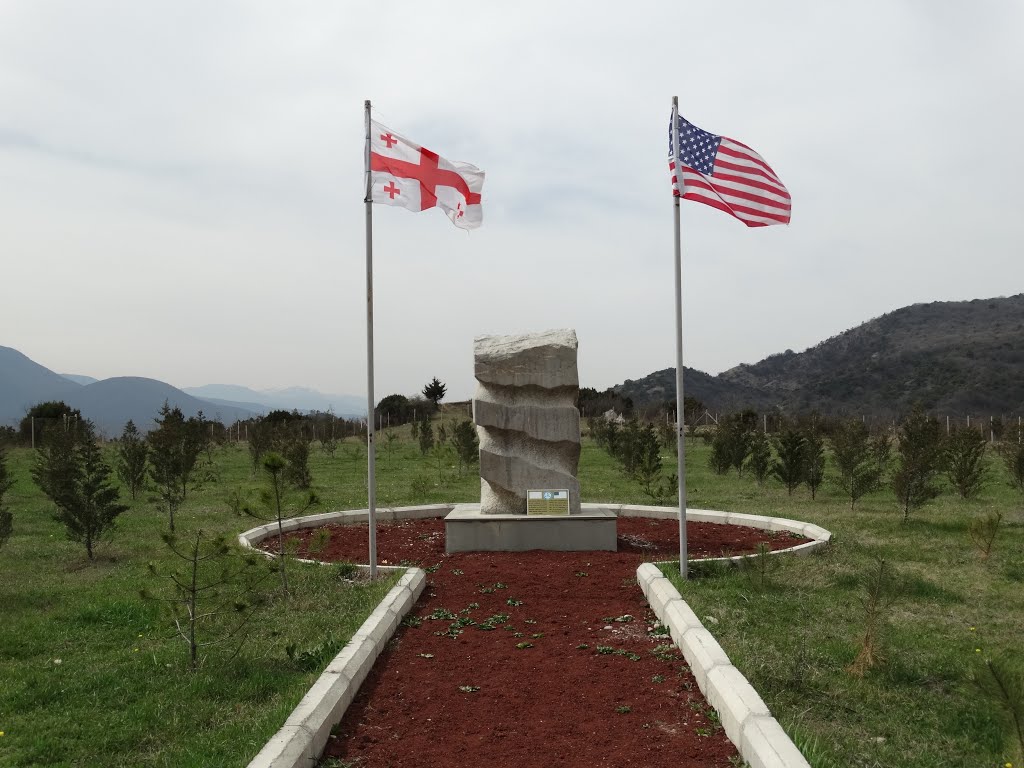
819 537
757 735
302 740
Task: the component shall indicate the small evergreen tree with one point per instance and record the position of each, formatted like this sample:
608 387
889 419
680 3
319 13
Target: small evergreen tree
260 436
789 467
647 467
213 596
759 461
814 461
739 435
720 459
434 391
55 461
1012 452
174 448
6 516
86 500
295 451
273 499
860 460
426 435
466 444
132 457
964 461
919 456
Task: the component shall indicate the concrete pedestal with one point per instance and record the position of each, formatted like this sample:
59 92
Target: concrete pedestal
466 529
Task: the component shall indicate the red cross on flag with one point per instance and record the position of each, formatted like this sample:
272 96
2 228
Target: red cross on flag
406 174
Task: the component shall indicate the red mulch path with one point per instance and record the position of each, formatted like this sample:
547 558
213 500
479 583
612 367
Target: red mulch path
568 676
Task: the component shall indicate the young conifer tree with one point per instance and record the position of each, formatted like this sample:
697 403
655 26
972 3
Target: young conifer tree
6 517
964 457
132 459
814 461
72 472
919 457
860 459
760 461
789 466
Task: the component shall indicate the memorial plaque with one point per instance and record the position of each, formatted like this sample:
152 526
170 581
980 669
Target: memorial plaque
547 502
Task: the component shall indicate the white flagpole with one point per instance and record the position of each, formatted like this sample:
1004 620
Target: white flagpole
680 421
371 483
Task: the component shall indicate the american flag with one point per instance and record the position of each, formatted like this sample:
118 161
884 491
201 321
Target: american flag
727 175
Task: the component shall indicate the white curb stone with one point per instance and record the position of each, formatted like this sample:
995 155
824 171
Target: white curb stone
304 735
703 653
646 574
660 594
680 619
766 745
745 717
735 700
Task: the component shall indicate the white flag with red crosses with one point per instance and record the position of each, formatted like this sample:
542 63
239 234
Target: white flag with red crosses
406 174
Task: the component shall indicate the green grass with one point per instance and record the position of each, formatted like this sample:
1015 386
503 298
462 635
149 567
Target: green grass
120 693
108 704
795 637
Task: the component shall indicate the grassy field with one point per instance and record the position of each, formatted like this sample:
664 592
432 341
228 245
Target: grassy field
88 676
795 632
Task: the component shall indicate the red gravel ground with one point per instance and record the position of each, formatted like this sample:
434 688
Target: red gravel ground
532 659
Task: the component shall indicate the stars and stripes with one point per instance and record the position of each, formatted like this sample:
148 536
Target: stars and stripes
725 174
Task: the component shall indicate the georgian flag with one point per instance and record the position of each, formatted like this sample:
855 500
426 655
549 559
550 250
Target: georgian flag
405 174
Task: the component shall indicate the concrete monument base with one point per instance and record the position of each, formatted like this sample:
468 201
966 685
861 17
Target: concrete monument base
467 529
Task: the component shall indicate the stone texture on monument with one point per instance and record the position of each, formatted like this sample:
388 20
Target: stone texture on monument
525 411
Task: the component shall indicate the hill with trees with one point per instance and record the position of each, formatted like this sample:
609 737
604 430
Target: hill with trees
959 357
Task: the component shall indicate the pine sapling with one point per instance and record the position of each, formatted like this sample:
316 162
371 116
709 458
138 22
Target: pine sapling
760 460
273 499
1002 681
983 532
212 595
881 590
132 459
964 461
814 462
6 516
789 466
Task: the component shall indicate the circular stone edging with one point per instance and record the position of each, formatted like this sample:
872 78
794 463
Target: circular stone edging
743 714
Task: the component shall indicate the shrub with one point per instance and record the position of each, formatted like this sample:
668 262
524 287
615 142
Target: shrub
132 459
919 456
789 467
963 459
860 460
87 502
6 517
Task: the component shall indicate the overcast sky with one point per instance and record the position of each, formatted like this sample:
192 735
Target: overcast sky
181 182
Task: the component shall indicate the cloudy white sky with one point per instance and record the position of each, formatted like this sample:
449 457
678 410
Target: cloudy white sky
181 182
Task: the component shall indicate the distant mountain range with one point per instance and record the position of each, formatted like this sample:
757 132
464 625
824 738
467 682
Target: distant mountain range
962 357
110 403
289 398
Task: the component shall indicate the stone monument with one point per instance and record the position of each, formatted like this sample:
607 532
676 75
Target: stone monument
529 429
526 416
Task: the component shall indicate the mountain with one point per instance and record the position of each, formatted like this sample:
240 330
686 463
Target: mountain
23 383
289 398
108 403
79 379
716 394
961 357
111 402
